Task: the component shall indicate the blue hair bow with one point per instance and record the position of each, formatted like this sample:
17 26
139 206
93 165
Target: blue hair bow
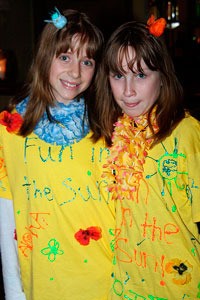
57 19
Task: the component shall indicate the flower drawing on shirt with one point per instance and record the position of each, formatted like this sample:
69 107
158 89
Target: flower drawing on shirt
52 250
180 271
12 121
168 168
84 236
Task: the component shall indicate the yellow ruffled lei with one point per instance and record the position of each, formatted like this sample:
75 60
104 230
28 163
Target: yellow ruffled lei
130 143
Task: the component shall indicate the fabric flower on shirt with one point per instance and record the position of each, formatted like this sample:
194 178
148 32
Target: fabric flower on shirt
12 121
84 236
180 270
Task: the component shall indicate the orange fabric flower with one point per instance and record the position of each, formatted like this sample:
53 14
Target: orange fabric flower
12 121
84 236
156 27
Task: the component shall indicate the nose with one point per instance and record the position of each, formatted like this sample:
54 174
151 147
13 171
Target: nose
74 69
129 89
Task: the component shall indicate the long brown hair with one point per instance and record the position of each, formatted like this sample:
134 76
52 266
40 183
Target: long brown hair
52 42
156 56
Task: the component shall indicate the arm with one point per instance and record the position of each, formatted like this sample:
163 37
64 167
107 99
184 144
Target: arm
9 256
198 225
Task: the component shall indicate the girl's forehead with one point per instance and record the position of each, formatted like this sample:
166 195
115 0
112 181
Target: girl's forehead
77 42
128 56
127 52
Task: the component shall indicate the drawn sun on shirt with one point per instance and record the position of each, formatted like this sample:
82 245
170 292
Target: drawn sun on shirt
168 168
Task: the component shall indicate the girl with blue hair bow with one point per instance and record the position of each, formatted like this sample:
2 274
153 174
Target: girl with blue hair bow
55 211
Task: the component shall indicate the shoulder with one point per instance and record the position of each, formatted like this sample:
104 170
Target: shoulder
188 126
187 133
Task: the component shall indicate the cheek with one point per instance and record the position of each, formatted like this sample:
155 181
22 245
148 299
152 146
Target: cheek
115 88
89 75
51 77
53 72
155 90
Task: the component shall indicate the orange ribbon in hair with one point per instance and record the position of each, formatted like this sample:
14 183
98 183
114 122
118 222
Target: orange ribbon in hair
156 27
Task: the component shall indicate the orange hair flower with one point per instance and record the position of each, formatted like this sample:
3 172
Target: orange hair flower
12 122
156 27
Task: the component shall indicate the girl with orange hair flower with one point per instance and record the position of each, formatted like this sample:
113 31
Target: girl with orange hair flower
153 167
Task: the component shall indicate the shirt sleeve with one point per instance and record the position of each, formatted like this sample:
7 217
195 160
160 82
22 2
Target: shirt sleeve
9 256
194 174
5 191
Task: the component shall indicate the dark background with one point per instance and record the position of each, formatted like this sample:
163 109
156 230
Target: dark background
21 22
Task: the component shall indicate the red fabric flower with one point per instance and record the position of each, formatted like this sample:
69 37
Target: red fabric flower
156 27
12 122
84 236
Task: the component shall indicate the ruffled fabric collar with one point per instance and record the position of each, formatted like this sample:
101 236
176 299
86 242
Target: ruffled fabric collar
71 123
130 144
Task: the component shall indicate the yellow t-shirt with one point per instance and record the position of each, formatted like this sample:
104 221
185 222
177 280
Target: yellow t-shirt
63 216
157 244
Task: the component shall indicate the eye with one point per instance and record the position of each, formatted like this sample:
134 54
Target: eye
64 57
88 63
116 76
141 75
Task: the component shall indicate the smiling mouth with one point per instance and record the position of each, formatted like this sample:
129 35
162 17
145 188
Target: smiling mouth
70 85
